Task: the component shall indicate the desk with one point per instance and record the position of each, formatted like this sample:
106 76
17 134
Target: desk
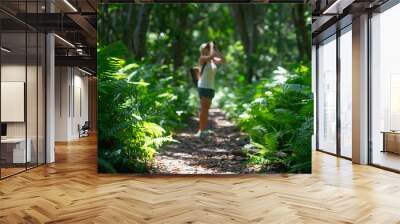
13 150
391 141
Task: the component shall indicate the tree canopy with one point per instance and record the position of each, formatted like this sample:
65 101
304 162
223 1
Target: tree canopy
256 38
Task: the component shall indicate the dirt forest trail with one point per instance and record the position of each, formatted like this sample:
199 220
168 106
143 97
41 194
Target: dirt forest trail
218 153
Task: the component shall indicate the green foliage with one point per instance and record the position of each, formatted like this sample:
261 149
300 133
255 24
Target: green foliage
142 101
139 106
277 114
175 32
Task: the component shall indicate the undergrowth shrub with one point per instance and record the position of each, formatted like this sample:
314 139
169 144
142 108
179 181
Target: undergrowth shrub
140 105
277 114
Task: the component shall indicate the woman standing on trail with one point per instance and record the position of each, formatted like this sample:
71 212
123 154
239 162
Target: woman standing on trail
210 57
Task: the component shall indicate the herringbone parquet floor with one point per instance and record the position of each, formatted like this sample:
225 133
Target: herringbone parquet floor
70 191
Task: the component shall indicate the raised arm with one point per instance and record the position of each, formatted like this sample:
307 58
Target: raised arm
206 58
218 57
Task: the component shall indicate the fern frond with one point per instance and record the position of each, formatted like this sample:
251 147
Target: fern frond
152 129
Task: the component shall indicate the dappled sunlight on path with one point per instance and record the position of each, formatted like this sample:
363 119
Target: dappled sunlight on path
218 153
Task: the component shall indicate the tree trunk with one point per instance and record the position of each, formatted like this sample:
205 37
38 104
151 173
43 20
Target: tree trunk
139 35
246 27
256 22
179 42
129 40
303 42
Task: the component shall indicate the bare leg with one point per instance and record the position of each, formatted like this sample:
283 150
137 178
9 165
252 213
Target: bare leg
205 103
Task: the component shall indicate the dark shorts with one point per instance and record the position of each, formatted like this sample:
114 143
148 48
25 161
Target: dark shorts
203 92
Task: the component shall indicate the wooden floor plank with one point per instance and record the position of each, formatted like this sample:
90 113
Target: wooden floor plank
70 191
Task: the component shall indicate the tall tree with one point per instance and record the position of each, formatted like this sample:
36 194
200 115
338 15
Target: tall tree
302 34
180 38
139 34
246 23
128 37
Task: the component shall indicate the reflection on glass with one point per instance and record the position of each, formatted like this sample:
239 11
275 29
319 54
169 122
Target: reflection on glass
31 101
346 93
385 81
327 96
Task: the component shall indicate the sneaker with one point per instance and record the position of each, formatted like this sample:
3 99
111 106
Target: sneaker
200 134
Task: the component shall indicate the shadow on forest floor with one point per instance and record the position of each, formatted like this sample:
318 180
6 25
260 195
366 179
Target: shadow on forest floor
216 154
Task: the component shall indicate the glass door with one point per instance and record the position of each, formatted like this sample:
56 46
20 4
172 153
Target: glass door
385 89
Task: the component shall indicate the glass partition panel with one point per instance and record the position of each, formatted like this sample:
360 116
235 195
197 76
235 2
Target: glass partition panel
385 89
32 95
41 98
22 66
14 150
346 93
327 95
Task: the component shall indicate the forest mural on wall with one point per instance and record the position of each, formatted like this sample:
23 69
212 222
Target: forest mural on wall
261 118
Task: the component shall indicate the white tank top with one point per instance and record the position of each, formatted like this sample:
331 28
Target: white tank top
207 79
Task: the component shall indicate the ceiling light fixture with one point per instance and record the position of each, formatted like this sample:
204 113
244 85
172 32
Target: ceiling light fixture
337 7
70 5
79 51
5 50
65 41
333 6
84 71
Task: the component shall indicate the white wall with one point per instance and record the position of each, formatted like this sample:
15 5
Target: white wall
80 94
62 81
71 87
16 73
314 90
10 73
13 72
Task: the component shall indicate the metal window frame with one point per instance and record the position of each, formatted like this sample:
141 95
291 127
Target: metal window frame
339 32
